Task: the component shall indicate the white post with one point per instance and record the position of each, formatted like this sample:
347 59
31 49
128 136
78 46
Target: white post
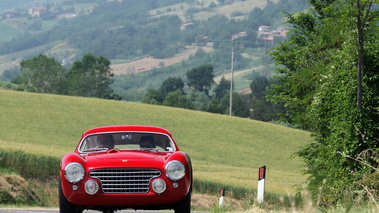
261 184
221 202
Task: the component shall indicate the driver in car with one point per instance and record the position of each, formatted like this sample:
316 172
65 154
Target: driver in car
105 141
147 141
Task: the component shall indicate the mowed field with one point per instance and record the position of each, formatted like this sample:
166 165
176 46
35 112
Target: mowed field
226 150
227 9
148 63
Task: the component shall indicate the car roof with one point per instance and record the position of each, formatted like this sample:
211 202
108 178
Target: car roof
126 128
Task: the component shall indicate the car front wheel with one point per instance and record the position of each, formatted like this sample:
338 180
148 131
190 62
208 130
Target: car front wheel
65 206
184 206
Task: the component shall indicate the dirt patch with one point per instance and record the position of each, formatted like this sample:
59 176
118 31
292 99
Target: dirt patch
15 189
13 184
150 63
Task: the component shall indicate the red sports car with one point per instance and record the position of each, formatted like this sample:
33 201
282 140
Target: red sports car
125 167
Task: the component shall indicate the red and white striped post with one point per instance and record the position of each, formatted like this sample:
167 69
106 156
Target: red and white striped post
222 194
261 184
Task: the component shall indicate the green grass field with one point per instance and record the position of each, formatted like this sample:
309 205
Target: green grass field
227 9
226 150
7 32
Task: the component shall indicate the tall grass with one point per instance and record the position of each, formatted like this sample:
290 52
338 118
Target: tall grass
28 179
248 195
29 165
227 150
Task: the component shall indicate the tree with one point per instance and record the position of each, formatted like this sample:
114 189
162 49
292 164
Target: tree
10 74
201 78
263 109
90 77
199 100
41 74
258 87
171 84
222 88
153 96
215 107
240 108
177 99
330 82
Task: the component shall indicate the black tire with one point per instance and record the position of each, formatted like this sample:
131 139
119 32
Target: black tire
184 206
65 206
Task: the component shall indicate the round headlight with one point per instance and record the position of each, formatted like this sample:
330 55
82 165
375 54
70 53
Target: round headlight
175 170
158 186
74 172
91 187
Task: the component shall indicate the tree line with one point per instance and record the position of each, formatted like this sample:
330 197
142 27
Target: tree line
92 77
89 77
204 94
329 80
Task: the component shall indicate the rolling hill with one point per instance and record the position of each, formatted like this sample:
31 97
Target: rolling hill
226 150
133 35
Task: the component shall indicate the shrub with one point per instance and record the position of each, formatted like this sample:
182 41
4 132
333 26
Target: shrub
29 165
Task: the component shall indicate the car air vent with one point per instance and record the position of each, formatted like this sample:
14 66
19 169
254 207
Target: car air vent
131 180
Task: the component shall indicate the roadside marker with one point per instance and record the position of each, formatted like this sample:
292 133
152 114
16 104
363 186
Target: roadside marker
261 184
222 194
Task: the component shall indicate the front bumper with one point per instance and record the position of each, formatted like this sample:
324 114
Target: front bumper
169 196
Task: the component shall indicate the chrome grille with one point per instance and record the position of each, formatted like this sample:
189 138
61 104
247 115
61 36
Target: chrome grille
125 180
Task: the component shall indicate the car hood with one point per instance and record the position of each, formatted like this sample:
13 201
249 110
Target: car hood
122 158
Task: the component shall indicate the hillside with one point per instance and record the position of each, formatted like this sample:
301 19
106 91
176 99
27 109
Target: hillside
134 36
148 63
224 149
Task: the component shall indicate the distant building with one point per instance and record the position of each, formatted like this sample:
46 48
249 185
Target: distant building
264 33
200 40
240 34
37 11
11 15
263 29
91 9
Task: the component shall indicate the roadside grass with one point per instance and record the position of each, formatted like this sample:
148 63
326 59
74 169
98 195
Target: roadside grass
226 151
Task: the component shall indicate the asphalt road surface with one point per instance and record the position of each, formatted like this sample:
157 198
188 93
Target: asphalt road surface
57 211
9 210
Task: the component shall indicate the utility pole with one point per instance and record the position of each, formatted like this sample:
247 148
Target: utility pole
234 36
231 82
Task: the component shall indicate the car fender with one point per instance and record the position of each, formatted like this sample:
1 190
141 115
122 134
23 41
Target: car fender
186 161
69 158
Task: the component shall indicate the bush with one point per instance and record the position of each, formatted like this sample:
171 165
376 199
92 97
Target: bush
29 165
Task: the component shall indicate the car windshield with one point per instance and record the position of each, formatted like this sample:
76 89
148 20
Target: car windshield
127 141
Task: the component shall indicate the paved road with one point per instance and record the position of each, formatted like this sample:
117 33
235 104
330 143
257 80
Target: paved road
4 210
57 210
